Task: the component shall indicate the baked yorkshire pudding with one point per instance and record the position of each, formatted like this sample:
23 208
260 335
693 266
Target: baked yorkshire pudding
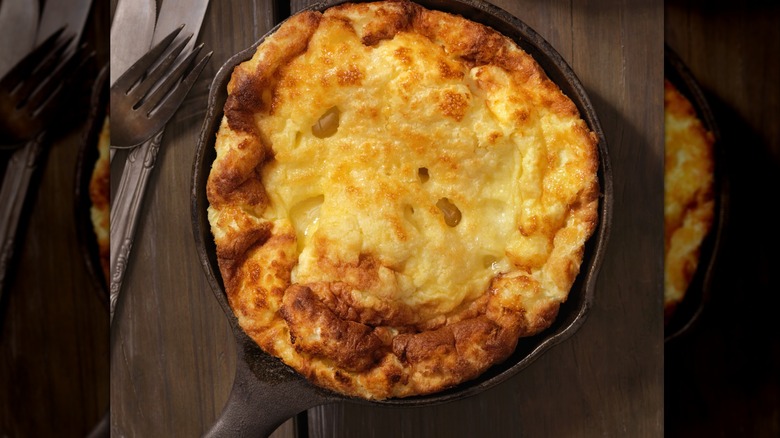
689 195
399 194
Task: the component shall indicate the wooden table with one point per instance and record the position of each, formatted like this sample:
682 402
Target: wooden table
173 355
723 379
54 337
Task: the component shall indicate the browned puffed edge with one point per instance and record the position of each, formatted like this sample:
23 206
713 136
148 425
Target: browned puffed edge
448 355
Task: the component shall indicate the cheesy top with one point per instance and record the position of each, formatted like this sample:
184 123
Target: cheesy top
688 193
399 194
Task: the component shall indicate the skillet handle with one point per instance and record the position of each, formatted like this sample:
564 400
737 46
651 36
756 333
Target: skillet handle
257 405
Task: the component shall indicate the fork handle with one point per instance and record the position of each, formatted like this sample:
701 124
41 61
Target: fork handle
125 210
13 194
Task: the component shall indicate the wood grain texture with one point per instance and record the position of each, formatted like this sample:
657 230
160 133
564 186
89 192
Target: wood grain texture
54 338
723 378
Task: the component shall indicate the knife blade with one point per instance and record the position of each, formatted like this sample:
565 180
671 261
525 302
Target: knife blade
174 13
127 203
131 34
18 23
69 13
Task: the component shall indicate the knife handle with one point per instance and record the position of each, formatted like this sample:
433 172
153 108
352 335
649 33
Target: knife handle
125 211
13 195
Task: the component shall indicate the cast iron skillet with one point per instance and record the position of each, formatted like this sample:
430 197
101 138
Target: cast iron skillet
266 392
85 234
697 295
85 162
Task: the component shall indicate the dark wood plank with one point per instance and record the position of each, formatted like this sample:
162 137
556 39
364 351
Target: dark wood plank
54 340
724 378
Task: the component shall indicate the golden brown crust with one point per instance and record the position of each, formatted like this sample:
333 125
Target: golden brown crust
689 194
399 194
99 198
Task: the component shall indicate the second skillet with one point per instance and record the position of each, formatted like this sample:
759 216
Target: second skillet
88 155
697 295
266 392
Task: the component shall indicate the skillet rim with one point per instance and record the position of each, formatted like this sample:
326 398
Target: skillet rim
85 160
572 315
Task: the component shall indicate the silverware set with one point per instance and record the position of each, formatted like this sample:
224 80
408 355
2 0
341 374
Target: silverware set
144 96
153 65
39 75
31 94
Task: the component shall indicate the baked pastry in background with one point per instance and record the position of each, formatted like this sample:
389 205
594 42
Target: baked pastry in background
399 194
688 194
99 197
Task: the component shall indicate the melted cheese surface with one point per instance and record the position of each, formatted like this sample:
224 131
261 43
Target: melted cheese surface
407 137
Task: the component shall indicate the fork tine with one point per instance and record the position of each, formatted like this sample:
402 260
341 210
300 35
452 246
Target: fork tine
174 99
63 93
24 68
137 70
152 102
49 65
76 61
137 93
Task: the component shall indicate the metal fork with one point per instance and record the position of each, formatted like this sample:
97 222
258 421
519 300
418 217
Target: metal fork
32 93
139 112
33 90
141 103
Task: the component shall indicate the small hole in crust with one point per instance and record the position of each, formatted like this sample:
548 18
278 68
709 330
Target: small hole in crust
423 174
450 212
327 124
489 260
